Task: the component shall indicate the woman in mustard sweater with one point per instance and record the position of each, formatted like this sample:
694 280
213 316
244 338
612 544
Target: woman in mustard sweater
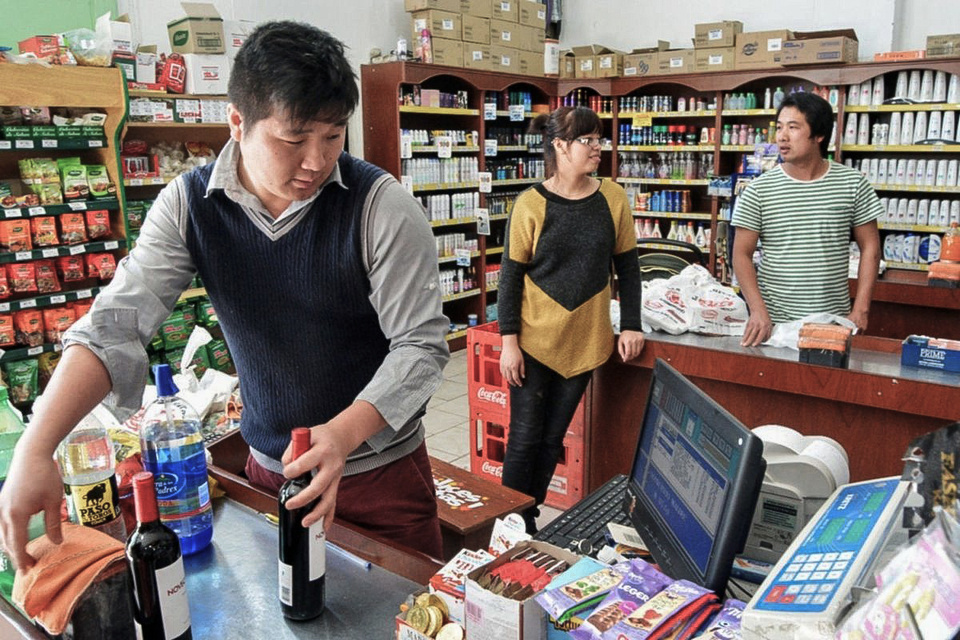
563 235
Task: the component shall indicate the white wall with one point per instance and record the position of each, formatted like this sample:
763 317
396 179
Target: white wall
916 19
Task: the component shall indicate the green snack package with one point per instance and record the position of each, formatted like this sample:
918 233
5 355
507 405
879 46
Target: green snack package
24 380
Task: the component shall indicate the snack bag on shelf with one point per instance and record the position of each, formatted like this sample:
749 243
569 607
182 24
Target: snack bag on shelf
8 334
71 268
15 236
29 324
56 321
4 285
46 276
101 265
23 380
73 229
43 230
22 277
98 224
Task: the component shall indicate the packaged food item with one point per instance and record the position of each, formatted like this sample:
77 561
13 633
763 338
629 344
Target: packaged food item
43 230
4 285
35 115
22 277
642 582
71 268
98 181
725 625
22 376
15 236
136 211
680 603
101 265
29 324
75 183
206 316
46 276
47 363
56 320
566 600
98 224
73 229
8 333
219 356
81 307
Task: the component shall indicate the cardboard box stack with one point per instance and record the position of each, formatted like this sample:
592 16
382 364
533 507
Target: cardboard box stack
199 38
714 46
943 46
492 35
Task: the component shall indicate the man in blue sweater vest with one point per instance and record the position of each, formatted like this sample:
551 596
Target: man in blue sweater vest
324 276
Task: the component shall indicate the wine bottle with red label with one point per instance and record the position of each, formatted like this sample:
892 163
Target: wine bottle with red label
161 608
302 549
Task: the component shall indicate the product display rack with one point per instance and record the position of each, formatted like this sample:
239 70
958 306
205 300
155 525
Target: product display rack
79 88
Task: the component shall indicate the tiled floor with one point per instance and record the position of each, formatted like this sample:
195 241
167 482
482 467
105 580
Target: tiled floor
447 422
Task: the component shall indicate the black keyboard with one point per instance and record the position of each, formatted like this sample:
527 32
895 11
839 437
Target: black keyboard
582 528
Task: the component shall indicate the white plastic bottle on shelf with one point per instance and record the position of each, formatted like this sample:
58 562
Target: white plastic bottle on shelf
930 174
912 211
913 87
850 131
902 211
656 233
952 166
873 173
777 98
920 172
923 211
920 127
701 238
941 177
934 124
926 86
954 212
900 177
690 234
947 130
866 93
767 99
878 91
906 128
892 210
863 131
953 89
11 428
893 136
673 233
901 89
911 178
933 218
888 247
882 171
940 87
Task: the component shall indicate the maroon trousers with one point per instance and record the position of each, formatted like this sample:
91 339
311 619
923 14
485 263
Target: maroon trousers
396 501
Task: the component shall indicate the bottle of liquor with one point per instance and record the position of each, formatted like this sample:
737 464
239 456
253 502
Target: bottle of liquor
302 550
161 608
87 466
172 449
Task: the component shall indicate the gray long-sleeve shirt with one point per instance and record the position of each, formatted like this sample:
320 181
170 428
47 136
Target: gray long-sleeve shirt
399 254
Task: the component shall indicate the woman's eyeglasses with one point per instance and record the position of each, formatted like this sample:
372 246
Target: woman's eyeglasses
589 142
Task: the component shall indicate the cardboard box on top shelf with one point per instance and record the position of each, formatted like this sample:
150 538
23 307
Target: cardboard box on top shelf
206 73
235 33
531 63
761 49
447 52
442 24
200 31
719 59
504 59
610 64
146 60
475 29
119 30
533 14
476 8
477 56
943 46
568 64
710 35
527 38
421 5
822 47
674 61
586 60
643 61
508 10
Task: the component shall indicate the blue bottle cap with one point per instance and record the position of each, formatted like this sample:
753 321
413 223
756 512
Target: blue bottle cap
163 376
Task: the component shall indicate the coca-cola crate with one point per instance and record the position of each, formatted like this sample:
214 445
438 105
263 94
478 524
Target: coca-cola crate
487 391
488 445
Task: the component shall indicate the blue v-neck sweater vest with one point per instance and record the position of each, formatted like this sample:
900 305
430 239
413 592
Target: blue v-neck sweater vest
294 311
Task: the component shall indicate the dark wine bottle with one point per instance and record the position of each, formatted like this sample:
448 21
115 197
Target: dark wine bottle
160 605
302 550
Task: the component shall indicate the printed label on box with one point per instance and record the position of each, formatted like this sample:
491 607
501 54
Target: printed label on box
447 25
586 65
606 63
718 59
676 63
775 44
505 36
715 34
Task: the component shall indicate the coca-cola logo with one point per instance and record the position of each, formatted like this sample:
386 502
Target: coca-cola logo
496 397
492 469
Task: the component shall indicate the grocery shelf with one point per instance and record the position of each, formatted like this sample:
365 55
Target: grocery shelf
49 300
43 144
53 252
662 181
500 216
908 266
144 182
515 182
706 113
461 295
516 147
110 204
28 352
448 186
912 148
453 335
665 147
671 215
903 107
454 149
914 188
749 112
746 148
492 251
923 228
439 111
453 221
176 125
526 114
473 254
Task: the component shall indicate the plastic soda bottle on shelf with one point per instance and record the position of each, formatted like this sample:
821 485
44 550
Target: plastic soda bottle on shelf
173 451
11 428
87 465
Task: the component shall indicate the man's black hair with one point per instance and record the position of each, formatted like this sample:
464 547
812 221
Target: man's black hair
817 111
295 69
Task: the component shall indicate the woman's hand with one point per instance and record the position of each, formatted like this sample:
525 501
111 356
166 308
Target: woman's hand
511 361
630 344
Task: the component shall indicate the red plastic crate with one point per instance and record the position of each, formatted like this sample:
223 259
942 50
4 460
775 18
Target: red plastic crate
487 391
488 445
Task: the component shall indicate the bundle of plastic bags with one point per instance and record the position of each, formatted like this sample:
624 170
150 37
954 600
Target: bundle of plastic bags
693 300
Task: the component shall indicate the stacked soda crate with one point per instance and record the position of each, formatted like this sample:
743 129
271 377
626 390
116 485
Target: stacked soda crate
489 399
491 35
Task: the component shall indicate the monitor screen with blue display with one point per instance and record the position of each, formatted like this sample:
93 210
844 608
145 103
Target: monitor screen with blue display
696 476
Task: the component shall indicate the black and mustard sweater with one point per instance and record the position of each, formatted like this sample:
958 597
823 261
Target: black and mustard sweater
555 276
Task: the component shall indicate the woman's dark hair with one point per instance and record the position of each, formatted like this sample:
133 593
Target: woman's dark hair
293 68
817 111
564 123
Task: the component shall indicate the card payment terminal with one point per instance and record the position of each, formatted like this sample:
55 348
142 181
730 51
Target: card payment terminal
808 591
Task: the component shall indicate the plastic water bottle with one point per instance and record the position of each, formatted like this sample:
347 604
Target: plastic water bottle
87 466
172 448
11 428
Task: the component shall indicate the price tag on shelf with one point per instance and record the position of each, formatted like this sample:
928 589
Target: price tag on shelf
5 144
78 206
489 111
463 257
12 213
486 181
58 347
407 182
84 293
135 182
444 146
23 255
78 249
94 143
490 147
35 351
516 113
48 144
110 245
406 146
642 120
483 222
60 299
49 253
24 144
4 306
28 304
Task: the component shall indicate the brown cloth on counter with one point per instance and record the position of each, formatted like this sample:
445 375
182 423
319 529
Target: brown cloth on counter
51 589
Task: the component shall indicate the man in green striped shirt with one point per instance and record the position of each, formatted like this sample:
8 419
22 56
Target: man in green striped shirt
803 212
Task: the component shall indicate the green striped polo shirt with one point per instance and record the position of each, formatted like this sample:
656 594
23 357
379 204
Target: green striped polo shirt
805 231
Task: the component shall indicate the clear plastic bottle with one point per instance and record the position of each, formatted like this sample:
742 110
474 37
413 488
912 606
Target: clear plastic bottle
172 449
11 428
87 466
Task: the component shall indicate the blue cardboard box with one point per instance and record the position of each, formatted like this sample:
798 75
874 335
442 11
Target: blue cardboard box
933 353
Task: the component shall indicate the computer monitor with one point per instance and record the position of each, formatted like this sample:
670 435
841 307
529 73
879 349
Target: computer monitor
694 483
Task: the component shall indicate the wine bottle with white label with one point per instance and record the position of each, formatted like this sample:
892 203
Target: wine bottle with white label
302 549
161 608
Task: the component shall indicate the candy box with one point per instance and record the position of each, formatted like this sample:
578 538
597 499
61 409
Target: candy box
491 616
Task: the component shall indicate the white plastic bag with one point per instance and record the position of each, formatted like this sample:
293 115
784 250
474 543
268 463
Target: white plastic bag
786 334
693 301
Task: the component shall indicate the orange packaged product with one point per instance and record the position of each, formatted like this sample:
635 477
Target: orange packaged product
15 236
98 224
71 268
29 326
8 334
44 231
47 276
101 265
73 229
81 307
4 285
56 321
22 277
